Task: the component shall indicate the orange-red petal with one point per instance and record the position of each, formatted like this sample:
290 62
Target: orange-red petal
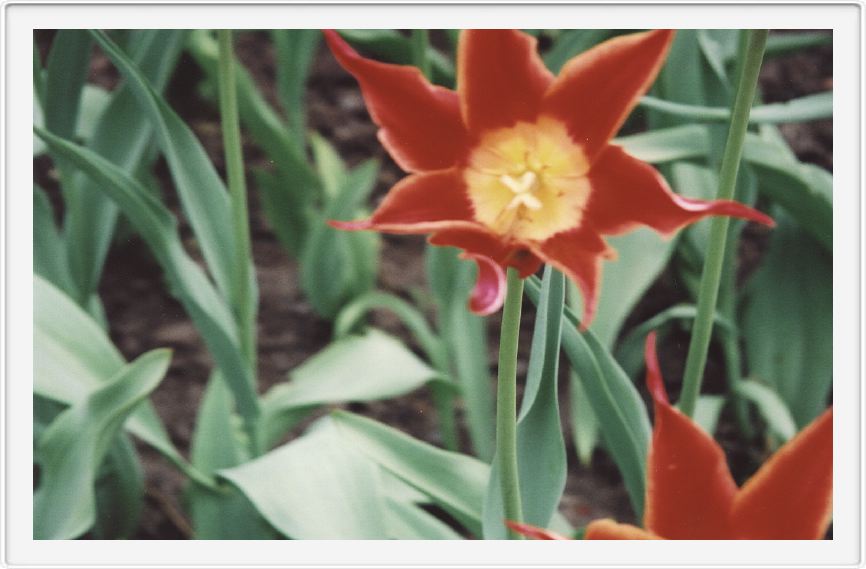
627 193
419 203
501 78
791 496
488 294
689 488
481 241
597 89
420 123
578 253
609 529
533 532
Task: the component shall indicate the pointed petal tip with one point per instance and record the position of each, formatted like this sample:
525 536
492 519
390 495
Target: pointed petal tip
489 292
358 225
608 529
654 381
533 532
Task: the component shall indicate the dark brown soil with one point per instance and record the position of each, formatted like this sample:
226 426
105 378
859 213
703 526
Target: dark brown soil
143 316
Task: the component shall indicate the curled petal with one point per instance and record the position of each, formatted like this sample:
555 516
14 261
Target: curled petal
791 496
419 203
627 193
480 241
597 89
609 529
489 292
578 253
533 532
501 78
420 123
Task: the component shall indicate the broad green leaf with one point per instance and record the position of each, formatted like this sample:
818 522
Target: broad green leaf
770 405
803 109
788 320
667 144
75 357
336 265
290 194
119 491
453 481
71 449
465 336
122 135
202 193
541 457
584 423
617 404
295 52
570 43
316 487
785 43
49 253
65 75
718 47
219 442
365 367
187 281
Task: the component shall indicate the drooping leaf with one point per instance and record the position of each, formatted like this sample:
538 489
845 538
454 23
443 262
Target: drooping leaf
771 407
73 447
295 52
803 109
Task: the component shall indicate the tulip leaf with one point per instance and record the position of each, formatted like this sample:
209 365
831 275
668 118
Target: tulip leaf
119 491
771 407
219 442
803 109
337 266
49 249
186 279
623 418
570 43
295 52
541 457
366 367
76 357
788 320
202 193
584 423
90 216
65 76
667 144
73 446
783 44
707 411
451 280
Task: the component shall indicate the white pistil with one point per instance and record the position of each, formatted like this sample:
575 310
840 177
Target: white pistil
523 188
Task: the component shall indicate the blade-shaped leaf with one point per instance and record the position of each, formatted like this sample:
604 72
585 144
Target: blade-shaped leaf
71 449
541 458
802 109
119 491
774 411
295 52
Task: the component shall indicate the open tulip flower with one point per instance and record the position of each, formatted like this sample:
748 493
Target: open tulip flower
691 494
516 167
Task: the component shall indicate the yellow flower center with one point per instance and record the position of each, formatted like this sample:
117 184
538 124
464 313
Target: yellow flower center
528 182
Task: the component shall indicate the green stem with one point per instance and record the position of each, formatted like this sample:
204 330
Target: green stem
709 289
506 401
420 42
241 288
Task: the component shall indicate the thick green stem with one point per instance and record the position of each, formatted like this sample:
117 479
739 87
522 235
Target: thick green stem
709 289
241 288
420 41
506 401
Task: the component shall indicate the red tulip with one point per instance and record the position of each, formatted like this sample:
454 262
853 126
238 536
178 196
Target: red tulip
691 494
515 167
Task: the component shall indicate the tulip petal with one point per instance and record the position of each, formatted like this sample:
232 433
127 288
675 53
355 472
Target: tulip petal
609 529
489 291
533 532
627 193
791 496
421 125
578 253
479 241
689 488
597 89
419 203
501 78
